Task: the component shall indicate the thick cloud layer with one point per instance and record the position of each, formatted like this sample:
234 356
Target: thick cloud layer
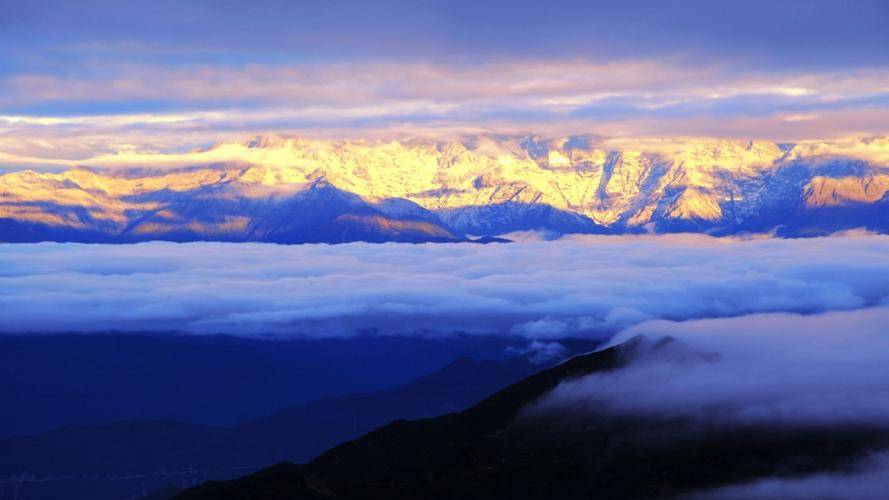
590 286
770 369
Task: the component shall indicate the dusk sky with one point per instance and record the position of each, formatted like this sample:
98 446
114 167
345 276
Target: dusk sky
524 249
79 79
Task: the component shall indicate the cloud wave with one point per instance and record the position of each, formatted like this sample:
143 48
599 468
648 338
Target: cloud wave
761 369
574 287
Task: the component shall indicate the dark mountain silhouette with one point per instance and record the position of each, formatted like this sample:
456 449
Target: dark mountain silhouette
307 430
492 450
77 379
139 449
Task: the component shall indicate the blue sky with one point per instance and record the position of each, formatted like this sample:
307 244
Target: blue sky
91 76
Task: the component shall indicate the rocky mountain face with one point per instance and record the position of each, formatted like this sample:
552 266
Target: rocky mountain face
297 191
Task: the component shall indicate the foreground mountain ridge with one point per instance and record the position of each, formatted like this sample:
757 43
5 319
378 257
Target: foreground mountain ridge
499 449
296 191
110 460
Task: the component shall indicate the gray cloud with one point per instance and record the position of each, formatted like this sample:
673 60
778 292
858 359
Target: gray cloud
590 286
541 352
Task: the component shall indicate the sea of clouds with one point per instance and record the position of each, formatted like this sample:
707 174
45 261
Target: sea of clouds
794 365
770 331
541 290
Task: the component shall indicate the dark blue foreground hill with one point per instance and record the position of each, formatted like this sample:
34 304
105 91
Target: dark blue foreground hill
103 459
493 451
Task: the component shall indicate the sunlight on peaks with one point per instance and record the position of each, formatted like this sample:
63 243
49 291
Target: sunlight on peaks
826 191
609 181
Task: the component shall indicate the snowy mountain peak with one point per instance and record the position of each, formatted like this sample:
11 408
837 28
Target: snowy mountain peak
478 183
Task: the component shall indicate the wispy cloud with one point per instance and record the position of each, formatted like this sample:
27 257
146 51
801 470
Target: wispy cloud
151 107
177 75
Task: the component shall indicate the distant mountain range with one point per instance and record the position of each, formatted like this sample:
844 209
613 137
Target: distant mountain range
493 450
297 191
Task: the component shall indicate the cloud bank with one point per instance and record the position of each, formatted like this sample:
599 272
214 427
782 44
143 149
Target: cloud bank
769 369
574 287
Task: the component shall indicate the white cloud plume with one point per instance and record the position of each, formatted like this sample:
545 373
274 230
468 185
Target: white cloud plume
772 369
588 286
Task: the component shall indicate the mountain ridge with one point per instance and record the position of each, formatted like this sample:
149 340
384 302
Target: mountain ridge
105 456
270 189
497 449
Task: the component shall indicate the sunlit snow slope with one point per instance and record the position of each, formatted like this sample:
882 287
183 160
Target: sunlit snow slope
295 191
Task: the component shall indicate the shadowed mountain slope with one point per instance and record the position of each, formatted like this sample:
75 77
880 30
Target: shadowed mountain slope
320 213
493 450
62 380
107 455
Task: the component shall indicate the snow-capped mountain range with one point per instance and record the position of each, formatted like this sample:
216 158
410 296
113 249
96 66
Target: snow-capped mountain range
295 191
